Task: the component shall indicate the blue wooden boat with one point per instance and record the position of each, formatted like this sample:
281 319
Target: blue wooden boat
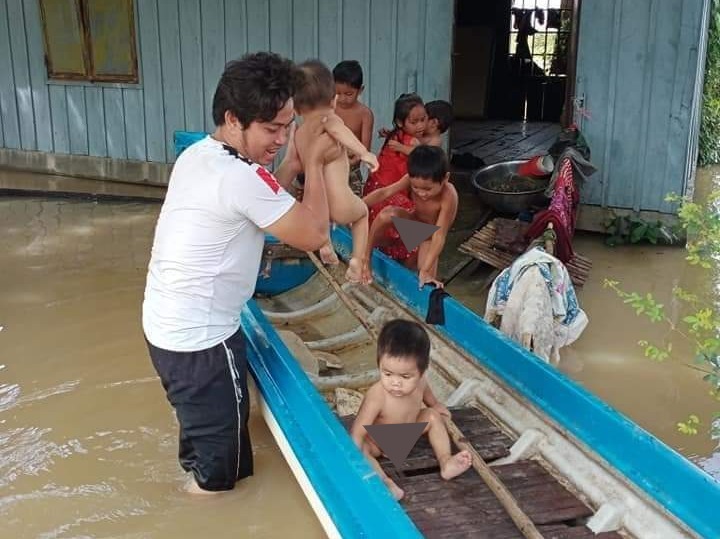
633 483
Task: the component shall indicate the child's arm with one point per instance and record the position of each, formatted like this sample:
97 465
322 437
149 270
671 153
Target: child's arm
366 128
431 401
448 211
367 414
385 192
403 148
337 129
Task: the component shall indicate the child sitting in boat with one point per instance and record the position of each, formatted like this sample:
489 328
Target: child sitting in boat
433 200
315 101
403 354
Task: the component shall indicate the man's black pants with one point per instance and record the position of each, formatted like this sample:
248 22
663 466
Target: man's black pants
208 390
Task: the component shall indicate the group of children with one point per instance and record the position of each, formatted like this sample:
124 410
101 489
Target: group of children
409 178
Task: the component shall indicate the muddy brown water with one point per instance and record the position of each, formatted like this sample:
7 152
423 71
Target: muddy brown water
88 442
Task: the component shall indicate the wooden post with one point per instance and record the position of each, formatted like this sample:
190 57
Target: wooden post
504 496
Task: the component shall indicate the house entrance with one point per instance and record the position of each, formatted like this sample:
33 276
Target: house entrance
513 63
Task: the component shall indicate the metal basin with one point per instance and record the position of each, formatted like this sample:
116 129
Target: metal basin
500 187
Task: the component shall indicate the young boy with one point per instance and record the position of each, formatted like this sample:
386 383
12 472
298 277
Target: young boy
403 354
359 118
433 200
439 117
314 100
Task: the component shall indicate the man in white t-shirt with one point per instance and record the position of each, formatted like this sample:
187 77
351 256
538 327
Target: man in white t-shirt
206 256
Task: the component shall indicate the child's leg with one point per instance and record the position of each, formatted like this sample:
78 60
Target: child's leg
422 257
327 252
378 228
371 452
450 465
359 228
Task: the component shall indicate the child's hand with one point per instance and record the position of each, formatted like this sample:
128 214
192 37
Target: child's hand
425 277
371 160
394 145
441 409
384 132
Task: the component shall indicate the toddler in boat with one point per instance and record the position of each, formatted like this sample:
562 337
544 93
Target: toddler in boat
403 354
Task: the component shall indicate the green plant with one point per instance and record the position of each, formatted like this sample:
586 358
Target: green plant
624 229
701 327
709 143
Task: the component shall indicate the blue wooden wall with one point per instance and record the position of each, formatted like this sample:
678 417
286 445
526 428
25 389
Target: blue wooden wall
182 48
639 63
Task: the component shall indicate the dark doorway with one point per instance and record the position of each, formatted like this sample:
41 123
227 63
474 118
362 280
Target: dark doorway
513 76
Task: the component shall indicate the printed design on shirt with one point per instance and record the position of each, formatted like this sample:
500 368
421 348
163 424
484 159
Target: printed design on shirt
232 151
268 178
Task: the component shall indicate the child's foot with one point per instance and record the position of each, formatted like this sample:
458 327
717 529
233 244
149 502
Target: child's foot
355 273
456 465
396 491
327 254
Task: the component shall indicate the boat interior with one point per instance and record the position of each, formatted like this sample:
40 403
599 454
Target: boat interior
338 353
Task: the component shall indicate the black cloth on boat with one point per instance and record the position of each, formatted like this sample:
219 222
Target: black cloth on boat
436 308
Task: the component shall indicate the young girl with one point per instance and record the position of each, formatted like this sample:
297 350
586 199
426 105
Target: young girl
409 121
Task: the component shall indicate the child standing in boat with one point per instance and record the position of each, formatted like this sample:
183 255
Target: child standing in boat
315 101
403 355
432 200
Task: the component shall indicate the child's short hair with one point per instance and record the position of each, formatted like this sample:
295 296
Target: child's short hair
349 72
428 162
315 85
405 339
442 112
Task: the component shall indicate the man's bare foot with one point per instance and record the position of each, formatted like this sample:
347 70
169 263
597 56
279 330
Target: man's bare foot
355 273
193 488
396 491
456 465
327 254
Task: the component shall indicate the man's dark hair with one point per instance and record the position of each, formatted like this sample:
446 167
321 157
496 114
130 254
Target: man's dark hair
405 339
314 86
428 162
442 112
254 88
349 72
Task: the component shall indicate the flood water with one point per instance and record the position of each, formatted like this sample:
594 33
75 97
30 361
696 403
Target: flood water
88 441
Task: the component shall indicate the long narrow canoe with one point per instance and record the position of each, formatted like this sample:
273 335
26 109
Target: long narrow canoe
632 481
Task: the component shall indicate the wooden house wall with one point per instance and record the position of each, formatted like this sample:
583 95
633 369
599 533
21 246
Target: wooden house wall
403 45
640 64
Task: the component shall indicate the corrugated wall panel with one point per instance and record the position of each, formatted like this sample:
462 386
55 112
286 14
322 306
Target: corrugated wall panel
8 99
39 88
152 80
77 120
23 91
183 45
192 64
213 52
636 65
172 73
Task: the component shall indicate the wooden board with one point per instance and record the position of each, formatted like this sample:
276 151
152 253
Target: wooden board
481 246
466 507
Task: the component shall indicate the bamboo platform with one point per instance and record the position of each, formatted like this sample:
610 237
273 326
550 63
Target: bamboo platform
466 508
481 246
